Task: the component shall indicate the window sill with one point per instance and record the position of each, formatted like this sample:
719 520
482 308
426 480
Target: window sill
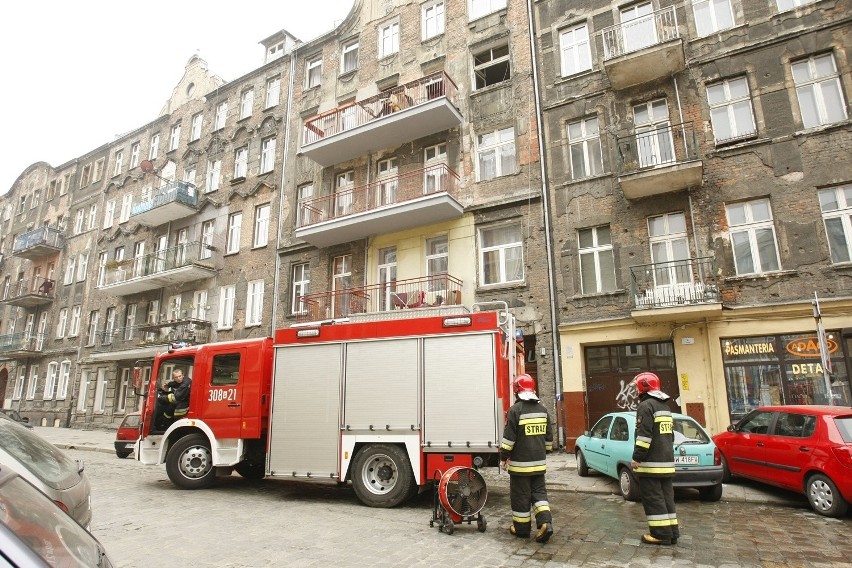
238 180
232 253
251 325
483 288
594 177
760 276
822 128
229 328
258 247
611 293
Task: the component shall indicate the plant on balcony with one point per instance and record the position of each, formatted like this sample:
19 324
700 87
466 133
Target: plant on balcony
113 264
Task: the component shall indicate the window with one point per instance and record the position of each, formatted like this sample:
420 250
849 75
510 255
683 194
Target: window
313 72
64 185
109 325
119 159
584 144
64 375
79 217
597 266
669 249
206 239
388 38
82 394
267 155
753 237
784 5
195 127
254 303
226 307
712 16
99 403
19 384
261 226
496 154
246 103
304 194
235 221
155 147
349 58
435 174
301 287
102 260
51 190
214 168
33 384
437 262
75 321
50 380
69 271
637 27
501 255
226 370
126 207
343 193
61 322
129 321
82 266
174 137
836 206
387 181
98 171
92 330
575 52
221 115
109 213
341 280
93 215
491 66
653 133
730 110
85 176
273 91
36 199
818 89
433 19
134 155
479 8
121 396
240 163
189 175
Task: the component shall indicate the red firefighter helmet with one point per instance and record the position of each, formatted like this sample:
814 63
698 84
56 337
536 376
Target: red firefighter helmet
646 382
524 387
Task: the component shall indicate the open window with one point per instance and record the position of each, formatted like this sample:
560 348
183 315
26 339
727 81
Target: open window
491 66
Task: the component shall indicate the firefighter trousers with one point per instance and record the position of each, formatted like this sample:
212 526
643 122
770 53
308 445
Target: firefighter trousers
528 493
658 502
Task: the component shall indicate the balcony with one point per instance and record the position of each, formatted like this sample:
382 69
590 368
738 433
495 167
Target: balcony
38 243
408 294
175 200
401 114
21 344
387 205
184 263
668 291
143 341
30 293
659 159
643 50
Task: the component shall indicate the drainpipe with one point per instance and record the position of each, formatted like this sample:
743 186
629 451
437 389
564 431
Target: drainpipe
545 200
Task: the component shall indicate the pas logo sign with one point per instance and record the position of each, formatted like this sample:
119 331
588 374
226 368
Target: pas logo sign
809 346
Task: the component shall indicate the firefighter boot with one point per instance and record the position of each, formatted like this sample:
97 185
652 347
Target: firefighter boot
649 539
515 533
545 531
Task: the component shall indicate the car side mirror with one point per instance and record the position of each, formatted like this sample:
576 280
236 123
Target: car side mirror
586 433
732 428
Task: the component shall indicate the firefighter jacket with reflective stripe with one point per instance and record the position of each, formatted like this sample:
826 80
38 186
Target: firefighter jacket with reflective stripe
654 449
527 438
179 395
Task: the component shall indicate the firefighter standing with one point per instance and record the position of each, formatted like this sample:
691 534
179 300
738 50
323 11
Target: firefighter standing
523 450
173 400
653 460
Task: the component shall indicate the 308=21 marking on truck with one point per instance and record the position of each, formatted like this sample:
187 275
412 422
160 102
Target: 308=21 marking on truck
222 394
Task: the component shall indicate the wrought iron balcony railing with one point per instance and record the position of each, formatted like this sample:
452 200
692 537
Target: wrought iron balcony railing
40 236
173 192
378 194
186 254
644 31
656 146
187 330
22 342
42 287
675 283
411 293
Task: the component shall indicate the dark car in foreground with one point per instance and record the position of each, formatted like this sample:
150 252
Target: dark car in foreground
608 448
127 434
16 416
807 449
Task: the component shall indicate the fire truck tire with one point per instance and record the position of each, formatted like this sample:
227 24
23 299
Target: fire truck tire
189 463
382 476
252 471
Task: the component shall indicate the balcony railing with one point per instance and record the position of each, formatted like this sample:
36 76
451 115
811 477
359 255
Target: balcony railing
675 283
655 146
173 192
645 31
159 262
34 292
384 104
38 242
22 343
411 293
381 193
188 330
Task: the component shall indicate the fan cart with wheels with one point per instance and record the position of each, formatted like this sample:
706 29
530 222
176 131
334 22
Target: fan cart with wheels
460 495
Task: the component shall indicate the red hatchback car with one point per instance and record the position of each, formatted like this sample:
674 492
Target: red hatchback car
806 449
127 434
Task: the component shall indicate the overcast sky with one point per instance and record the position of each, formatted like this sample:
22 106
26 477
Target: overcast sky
77 73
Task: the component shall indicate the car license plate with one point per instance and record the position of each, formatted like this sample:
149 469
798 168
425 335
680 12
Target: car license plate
130 445
680 460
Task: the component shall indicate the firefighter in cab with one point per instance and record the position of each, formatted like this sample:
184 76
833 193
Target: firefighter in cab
173 400
653 460
527 438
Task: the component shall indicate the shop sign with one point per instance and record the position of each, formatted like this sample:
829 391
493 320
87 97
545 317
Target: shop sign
809 346
733 349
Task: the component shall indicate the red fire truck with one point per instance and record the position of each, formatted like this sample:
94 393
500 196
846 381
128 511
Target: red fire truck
388 402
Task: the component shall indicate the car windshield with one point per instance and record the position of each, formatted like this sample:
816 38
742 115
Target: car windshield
43 459
844 424
687 431
131 421
48 531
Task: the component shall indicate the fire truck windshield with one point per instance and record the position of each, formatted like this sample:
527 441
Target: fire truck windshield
167 366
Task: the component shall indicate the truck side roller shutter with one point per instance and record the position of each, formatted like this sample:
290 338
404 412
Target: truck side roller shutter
304 430
460 392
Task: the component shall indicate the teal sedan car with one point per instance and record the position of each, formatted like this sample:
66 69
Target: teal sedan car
608 448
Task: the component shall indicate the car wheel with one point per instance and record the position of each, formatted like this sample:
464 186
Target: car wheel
712 493
823 496
627 485
189 462
123 454
726 472
582 466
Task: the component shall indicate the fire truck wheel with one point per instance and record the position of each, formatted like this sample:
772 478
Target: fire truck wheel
250 470
189 463
382 476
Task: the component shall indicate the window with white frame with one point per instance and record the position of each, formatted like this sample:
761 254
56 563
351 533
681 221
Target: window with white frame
821 99
597 262
495 153
154 150
712 16
341 279
669 249
221 116
102 260
273 92
69 270
241 163
119 160
214 170
207 239
82 266
491 66
32 386
730 110
254 303
99 403
19 384
74 327
189 175
261 225
195 126
349 56
83 392
126 208
836 206
267 155
134 155
387 180
479 8
50 380
174 137
584 144
226 306
109 325
63 380
92 330
246 103
501 254
61 322
235 222
93 216
79 217
343 193
123 384
433 19
388 38
784 5
654 142
435 172
753 237
576 55
301 286
199 305
98 170
130 321
313 72
437 262
305 193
